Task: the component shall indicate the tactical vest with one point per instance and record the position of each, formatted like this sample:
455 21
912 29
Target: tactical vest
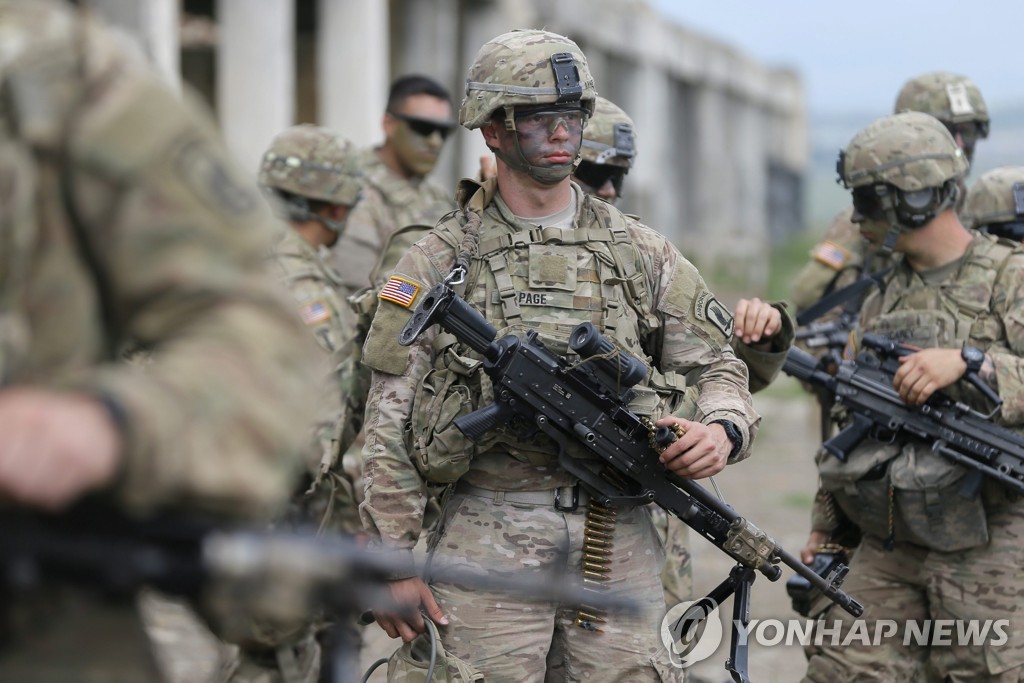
549 280
905 491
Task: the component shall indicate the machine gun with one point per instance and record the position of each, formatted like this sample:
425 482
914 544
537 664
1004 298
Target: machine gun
586 405
830 335
954 430
282 575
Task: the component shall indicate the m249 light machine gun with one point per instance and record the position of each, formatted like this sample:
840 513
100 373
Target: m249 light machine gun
587 404
954 430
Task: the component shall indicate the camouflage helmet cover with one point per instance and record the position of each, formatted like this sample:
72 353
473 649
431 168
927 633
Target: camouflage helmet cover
950 98
610 137
911 151
312 162
996 197
517 69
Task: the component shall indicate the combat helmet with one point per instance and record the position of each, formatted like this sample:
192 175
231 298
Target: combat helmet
951 98
310 163
903 168
610 137
995 203
526 68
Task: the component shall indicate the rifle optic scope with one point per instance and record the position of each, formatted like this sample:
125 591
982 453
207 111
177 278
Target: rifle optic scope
619 369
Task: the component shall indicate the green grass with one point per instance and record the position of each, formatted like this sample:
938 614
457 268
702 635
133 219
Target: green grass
787 258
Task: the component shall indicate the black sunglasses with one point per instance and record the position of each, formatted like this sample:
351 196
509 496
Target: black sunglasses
596 175
426 127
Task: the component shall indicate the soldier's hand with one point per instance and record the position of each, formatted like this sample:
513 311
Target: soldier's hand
756 321
412 593
814 542
923 373
55 446
488 167
701 452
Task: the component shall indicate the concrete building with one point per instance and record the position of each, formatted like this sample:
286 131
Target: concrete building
722 139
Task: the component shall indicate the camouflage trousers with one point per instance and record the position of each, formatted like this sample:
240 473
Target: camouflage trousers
63 635
509 639
677 573
914 584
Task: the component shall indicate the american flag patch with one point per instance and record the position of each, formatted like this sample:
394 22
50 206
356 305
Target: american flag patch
314 312
831 254
399 290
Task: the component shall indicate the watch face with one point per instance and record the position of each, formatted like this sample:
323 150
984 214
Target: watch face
973 356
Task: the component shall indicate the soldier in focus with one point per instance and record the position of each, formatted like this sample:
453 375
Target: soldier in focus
547 257
842 256
927 551
995 203
127 225
397 191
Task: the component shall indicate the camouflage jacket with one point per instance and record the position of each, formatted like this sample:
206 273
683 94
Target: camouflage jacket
321 304
911 493
126 223
687 327
388 203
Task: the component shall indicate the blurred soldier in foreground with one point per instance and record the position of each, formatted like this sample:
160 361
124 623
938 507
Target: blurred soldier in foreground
545 256
126 224
397 191
929 551
843 255
995 203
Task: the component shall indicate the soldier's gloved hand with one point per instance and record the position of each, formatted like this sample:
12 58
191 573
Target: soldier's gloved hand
923 373
412 592
756 321
55 446
814 542
701 452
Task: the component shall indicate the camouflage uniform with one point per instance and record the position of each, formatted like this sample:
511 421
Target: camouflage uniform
126 223
995 203
389 202
950 557
501 518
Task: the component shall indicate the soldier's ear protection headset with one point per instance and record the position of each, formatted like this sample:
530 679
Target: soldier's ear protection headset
911 209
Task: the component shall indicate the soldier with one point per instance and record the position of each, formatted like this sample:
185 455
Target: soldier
995 203
763 331
842 255
929 552
547 256
126 224
311 177
397 191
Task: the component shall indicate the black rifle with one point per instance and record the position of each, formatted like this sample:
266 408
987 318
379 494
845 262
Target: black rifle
954 430
280 574
586 404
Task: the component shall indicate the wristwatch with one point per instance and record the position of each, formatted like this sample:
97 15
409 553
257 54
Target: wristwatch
734 435
974 357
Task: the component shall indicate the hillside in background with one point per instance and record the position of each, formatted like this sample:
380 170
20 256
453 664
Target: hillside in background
829 132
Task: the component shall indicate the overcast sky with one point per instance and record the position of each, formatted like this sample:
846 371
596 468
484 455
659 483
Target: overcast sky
856 55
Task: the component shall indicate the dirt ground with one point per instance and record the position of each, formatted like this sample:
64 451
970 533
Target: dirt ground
773 488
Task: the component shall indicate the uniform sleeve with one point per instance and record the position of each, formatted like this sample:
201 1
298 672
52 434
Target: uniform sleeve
395 493
763 365
218 417
1008 358
696 330
359 246
836 260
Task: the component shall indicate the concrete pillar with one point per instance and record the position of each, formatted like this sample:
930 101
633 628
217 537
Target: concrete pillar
353 72
154 24
255 74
